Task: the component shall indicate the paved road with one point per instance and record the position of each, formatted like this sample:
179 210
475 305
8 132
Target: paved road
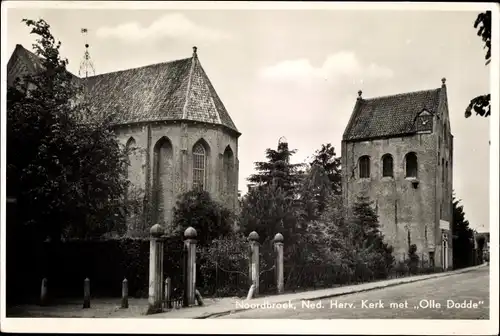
419 300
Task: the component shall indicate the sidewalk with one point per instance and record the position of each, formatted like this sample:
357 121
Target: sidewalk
110 308
229 306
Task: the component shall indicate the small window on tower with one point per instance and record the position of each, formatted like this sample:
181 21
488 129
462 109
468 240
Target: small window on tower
387 166
411 165
424 121
364 166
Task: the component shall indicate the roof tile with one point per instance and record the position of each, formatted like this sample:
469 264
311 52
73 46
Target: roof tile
176 90
389 115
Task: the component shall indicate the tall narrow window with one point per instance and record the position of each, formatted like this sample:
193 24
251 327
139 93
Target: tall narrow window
130 147
163 178
228 170
442 170
387 165
364 166
411 165
199 163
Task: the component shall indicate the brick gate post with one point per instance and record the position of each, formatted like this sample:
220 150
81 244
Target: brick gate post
190 266
278 247
253 239
155 269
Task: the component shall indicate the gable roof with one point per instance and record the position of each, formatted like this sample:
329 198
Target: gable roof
21 63
176 90
24 62
390 115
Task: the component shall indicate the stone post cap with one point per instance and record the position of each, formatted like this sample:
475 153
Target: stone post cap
253 236
278 238
156 231
190 233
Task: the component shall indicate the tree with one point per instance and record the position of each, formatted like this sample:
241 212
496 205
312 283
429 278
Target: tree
481 104
321 179
276 201
463 237
68 176
268 209
366 241
330 163
197 209
278 169
325 239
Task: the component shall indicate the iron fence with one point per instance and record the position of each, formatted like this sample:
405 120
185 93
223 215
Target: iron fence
223 277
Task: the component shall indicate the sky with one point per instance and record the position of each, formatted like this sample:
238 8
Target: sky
296 73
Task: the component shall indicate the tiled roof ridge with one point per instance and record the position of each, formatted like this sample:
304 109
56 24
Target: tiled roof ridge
207 83
111 72
400 94
185 91
140 67
189 86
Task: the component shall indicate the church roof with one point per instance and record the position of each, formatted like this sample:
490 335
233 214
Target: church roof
176 90
389 115
23 62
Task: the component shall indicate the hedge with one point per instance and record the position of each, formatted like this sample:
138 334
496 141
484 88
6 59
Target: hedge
105 262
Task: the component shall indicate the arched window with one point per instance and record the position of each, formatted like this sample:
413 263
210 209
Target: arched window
364 166
411 165
387 166
130 148
228 169
163 178
199 166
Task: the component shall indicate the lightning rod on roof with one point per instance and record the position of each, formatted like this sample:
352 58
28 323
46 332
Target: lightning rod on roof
86 65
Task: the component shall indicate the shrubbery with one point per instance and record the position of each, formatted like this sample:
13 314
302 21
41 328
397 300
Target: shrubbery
67 169
210 218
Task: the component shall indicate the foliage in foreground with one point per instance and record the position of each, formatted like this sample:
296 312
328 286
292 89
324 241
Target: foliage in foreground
68 176
197 209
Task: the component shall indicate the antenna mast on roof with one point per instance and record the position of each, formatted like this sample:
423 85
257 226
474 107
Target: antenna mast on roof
86 66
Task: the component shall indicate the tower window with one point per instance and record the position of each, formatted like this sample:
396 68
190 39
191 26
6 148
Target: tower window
411 165
387 165
364 166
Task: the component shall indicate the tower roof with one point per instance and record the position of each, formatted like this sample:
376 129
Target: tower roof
175 90
389 115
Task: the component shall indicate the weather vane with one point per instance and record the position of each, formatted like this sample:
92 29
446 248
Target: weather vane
86 65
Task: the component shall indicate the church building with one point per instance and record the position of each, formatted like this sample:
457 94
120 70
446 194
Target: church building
177 129
398 151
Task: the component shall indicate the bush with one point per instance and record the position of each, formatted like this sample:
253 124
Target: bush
197 209
401 269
